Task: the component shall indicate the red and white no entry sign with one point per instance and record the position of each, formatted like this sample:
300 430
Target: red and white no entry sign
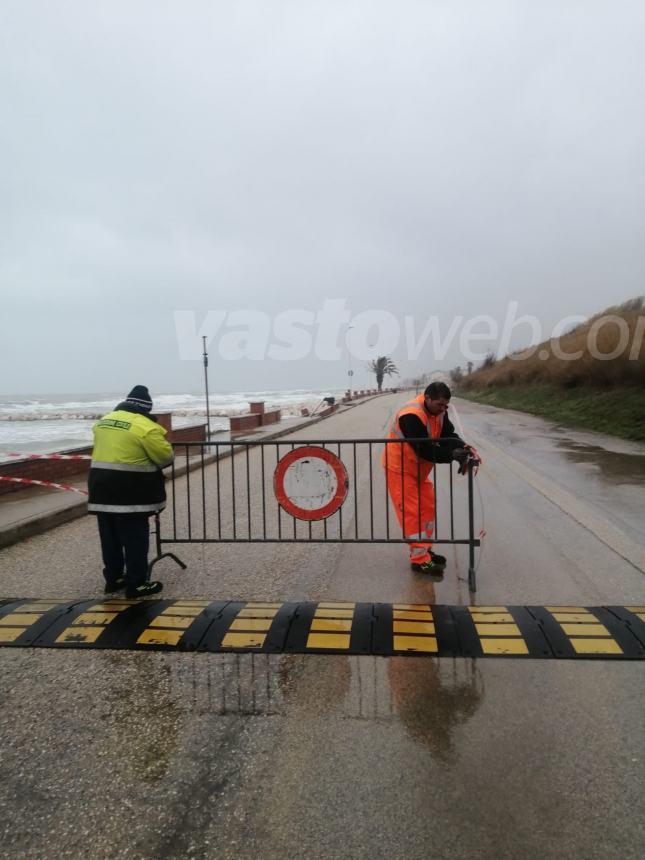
310 483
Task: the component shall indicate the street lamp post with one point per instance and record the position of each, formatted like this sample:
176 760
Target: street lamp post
208 413
350 372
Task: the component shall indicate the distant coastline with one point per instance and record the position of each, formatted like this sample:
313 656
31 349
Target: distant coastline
43 424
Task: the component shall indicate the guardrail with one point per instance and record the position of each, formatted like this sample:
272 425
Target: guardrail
304 491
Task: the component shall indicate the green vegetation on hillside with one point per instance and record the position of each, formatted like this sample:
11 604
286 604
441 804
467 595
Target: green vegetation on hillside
619 412
593 377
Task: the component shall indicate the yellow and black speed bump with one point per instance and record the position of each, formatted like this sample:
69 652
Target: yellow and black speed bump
561 632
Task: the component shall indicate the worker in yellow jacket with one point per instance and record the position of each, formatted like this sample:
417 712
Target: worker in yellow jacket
126 486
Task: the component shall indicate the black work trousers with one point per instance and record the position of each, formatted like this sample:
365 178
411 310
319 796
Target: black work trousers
125 539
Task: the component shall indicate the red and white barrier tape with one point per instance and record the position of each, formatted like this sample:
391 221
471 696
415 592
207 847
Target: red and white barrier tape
50 484
45 456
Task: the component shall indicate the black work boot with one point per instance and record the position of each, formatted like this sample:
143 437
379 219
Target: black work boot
117 584
145 589
427 567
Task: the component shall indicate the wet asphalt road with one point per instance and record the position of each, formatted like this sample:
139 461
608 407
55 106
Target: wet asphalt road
130 755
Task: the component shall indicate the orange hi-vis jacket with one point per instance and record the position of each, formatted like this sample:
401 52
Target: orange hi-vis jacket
402 457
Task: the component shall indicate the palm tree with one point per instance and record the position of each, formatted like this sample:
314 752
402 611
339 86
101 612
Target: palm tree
382 366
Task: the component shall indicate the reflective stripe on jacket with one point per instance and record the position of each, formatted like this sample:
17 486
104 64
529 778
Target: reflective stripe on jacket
125 476
402 457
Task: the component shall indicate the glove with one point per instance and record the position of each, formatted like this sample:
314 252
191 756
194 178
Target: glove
465 456
462 456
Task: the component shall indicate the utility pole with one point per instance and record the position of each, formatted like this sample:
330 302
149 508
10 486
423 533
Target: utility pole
350 372
208 412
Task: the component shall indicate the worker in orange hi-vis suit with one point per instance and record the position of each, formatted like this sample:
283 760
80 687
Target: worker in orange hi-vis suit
408 468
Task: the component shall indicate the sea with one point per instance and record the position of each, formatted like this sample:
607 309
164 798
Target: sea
42 424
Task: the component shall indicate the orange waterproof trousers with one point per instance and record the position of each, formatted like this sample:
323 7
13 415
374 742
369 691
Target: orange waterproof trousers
413 501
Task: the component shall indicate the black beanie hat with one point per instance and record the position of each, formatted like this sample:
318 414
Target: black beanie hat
140 396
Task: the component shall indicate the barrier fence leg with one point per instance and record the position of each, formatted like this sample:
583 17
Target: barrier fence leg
161 554
472 576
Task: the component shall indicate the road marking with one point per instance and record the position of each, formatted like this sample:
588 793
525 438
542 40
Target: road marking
596 646
172 621
159 637
414 627
556 632
90 618
10 634
487 609
243 640
491 617
188 601
334 613
257 613
586 633
110 607
19 619
255 620
328 640
585 629
183 609
251 624
406 614
412 606
331 625
565 608
14 624
325 626
86 627
573 617
80 635
500 647
40 606
254 605
498 632
425 644
500 629
169 625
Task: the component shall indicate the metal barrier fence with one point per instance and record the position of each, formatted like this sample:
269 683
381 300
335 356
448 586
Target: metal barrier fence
311 491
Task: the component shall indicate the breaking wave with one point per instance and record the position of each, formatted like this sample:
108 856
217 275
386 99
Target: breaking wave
43 425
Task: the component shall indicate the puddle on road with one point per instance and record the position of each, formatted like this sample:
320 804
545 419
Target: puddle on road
429 698
614 467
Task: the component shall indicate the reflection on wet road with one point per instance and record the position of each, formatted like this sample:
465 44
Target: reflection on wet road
608 473
240 756
434 698
613 467
429 698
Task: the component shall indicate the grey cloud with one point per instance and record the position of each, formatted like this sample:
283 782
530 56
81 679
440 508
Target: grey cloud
433 158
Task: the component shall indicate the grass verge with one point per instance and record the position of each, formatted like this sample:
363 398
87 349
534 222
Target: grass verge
619 411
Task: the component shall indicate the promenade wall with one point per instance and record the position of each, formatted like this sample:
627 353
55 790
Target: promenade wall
60 471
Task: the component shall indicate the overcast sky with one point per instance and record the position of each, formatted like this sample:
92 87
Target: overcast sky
418 158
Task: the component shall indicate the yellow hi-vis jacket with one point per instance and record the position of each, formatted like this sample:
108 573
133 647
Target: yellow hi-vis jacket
129 452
